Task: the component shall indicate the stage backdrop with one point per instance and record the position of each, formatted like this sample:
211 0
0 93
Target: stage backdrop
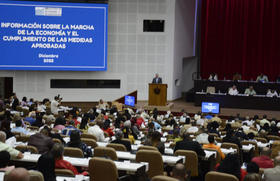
240 36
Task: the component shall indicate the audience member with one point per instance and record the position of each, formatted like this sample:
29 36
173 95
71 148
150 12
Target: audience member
97 131
17 174
46 165
273 174
5 147
231 138
233 90
41 141
59 123
188 144
252 177
19 128
252 167
75 141
156 142
106 128
118 140
102 105
231 165
68 129
212 145
179 172
264 160
6 127
4 161
60 163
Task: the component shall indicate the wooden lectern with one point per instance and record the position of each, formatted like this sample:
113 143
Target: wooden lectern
157 94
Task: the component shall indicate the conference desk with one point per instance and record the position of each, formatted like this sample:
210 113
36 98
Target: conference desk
239 101
224 85
167 159
84 162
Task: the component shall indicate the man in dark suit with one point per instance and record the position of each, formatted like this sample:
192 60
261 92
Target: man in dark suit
157 79
188 144
118 140
41 141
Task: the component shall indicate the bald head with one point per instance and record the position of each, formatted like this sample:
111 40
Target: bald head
277 161
17 174
266 151
179 172
2 136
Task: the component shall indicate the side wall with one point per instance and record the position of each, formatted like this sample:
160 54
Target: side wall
183 45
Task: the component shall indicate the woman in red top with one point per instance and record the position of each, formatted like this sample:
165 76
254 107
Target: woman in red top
106 128
57 152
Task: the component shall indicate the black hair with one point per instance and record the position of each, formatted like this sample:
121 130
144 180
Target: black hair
84 122
252 167
231 165
106 124
211 139
18 123
75 139
4 159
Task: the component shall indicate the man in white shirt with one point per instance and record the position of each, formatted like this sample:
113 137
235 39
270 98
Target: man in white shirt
271 93
233 91
5 147
97 131
54 105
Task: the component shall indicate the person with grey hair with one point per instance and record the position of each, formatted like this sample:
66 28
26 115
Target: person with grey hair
273 174
179 172
17 174
5 147
157 79
118 140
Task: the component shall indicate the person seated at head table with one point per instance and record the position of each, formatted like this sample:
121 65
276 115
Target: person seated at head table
250 91
213 76
262 78
237 76
271 93
233 90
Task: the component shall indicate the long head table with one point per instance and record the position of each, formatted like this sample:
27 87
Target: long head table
223 85
239 101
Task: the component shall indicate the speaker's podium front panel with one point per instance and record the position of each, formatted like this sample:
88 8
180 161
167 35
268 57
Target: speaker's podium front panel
157 94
